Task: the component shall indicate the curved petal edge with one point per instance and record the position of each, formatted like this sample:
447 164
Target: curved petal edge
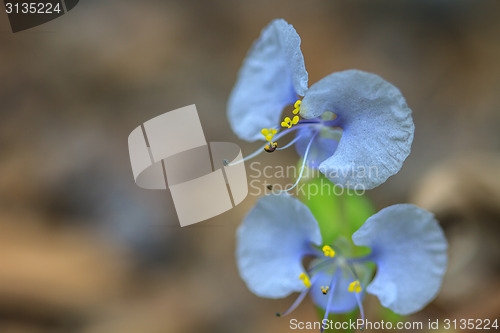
410 250
272 75
377 127
271 243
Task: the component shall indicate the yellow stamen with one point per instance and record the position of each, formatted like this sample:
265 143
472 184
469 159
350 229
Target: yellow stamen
287 122
268 133
328 251
324 290
297 106
355 286
305 280
295 120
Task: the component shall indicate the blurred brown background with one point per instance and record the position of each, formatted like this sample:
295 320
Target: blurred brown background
82 249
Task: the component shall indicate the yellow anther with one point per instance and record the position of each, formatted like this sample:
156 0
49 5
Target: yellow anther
297 106
295 120
268 133
355 286
287 122
324 290
305 280
328 251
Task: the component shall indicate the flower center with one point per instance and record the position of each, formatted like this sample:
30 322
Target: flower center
338 267
320 131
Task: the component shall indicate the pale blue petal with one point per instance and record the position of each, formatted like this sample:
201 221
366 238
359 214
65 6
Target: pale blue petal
343 301
409 248
377 123
271 77
322 147
271 242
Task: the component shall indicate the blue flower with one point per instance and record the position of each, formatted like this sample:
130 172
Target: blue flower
358 124
407 245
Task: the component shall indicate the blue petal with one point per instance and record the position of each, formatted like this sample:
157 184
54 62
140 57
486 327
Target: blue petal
270 78
271 243
377 123
409 248
322 147
343 301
